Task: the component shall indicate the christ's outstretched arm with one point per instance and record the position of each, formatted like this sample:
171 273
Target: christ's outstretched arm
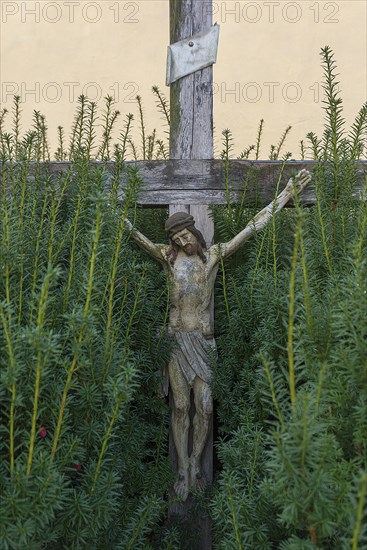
154 250
264 216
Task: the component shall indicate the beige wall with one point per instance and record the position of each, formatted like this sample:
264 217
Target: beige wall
268 60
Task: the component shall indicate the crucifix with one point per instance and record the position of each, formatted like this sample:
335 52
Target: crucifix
192 266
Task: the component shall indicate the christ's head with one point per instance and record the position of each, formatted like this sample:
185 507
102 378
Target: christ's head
187 241
184 236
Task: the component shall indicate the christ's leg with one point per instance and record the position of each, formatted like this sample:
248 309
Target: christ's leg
203 412
180 425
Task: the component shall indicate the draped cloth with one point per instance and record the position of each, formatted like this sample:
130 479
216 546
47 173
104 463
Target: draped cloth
194 355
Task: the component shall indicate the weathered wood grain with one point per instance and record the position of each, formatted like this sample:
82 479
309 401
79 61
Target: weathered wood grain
191 137
196 182
191 111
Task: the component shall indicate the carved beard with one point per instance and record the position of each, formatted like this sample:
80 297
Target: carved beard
191 249
195 249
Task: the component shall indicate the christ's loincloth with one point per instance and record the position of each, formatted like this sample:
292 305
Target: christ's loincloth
194 355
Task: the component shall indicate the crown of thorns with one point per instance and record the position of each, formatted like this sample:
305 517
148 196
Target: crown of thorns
181 220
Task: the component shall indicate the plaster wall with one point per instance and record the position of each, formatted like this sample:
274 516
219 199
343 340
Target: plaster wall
268 62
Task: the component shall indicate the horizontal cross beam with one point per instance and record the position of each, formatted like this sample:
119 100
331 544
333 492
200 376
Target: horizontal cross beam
203 181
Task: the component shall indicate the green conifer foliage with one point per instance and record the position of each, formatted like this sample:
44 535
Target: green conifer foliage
83 431
291 382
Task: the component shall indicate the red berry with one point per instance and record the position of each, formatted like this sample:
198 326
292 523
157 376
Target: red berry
78 467
42 433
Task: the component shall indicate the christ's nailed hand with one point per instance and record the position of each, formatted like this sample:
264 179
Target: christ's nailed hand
300 180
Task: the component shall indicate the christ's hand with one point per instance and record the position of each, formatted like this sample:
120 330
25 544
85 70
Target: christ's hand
294 185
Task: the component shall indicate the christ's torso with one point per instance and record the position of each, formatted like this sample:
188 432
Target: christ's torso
192 283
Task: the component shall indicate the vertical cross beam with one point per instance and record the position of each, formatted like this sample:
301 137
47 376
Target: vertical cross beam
191 102
191 137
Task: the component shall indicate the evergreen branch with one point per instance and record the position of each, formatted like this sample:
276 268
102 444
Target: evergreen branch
258 139
122 386
306 286
322 225
161 150
285 158
333 133
151 145
60 154
361 238
237 295
73 225
6 237
92 263
254 464
361 501
302 146
257 264
51 240
140 524
133 149
13 386
135 306
358 134
105 441
40 359
124 135
224 284
283 137
77 128
290 341
142 125
45 147
112 278
109 118
266 366
37 248
90 131
319 385
226 154
162 103
3 113
16 124
234 518
244 155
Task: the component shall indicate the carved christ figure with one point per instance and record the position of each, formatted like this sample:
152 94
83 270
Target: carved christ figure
192 268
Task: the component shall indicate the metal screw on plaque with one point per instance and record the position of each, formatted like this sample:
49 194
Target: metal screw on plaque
191 43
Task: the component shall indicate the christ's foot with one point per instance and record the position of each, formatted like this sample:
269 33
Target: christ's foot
181 486
196 477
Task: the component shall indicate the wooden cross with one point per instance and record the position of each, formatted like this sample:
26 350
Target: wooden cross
191 138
